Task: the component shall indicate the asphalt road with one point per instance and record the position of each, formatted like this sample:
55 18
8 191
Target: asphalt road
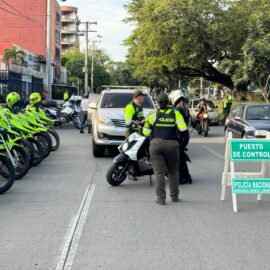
63 215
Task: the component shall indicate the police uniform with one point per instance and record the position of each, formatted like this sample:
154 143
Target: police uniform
134 113
163 125
66 96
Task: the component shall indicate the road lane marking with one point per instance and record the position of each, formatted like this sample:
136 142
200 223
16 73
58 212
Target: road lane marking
215 153
75 232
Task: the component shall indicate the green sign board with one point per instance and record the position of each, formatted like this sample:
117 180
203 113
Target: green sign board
250 186
250 150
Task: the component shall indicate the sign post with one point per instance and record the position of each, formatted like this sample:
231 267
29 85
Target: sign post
245 150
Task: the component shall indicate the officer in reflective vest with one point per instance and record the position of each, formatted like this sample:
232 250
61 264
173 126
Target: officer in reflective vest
66 96
134 112
164 126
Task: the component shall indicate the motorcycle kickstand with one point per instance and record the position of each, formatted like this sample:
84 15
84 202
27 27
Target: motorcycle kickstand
150 180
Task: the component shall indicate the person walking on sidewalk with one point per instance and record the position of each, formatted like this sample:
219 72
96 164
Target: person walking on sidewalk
84 107
163 125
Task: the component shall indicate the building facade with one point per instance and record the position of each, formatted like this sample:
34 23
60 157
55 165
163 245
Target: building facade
25 26
70 28
24 78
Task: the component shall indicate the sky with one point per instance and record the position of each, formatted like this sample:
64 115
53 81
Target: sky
109 15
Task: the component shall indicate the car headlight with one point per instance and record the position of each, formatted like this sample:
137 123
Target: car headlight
105 121
260 133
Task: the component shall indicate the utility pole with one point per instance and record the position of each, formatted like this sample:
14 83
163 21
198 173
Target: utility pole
48 49
86 59
201 87
86 70
92 68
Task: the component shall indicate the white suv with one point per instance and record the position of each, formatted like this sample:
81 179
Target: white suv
108 120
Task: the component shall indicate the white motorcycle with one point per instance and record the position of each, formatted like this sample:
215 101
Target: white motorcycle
72 112
132 161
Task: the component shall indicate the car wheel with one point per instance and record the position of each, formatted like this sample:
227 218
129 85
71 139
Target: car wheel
98 150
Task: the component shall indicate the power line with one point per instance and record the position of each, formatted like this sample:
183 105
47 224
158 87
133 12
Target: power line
10 12
20 13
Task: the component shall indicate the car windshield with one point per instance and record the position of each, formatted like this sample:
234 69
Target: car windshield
120 100
260 112
209 103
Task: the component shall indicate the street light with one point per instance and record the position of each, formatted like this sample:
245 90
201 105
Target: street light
49 47
92 68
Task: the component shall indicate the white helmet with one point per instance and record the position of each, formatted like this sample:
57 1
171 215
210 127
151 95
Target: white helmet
175 96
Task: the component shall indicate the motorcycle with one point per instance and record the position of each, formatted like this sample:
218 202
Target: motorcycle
132 161
202 125
72 113
54 114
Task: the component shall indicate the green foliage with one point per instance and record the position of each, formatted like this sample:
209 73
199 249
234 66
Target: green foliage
224 41
121 74
13 56
74 61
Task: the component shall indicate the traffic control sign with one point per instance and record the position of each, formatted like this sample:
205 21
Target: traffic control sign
250 150
250 186
245 150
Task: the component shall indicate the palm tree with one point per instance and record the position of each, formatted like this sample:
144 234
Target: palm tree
13 56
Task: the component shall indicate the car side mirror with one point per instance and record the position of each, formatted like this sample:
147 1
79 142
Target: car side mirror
93 105
238 118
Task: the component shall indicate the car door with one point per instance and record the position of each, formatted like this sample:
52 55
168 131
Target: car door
238 122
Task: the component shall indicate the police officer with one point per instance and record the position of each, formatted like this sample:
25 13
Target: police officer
13 101
66 96
34 102
184 175
134 112
163 125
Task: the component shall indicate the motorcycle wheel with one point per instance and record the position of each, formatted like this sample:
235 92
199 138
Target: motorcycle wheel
22 162
28 148
116 174
55 139
38 152
77 122
45 140
7 174
199 128
205 128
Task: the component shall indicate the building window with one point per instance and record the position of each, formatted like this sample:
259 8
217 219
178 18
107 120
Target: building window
58 18
57 36
57 54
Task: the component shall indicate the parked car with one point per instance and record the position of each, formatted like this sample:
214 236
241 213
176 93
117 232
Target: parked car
249 121
92 101
213 114
108 121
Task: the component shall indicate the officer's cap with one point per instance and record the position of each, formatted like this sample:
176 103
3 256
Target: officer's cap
138 93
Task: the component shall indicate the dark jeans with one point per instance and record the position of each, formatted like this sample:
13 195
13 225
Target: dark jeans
84 119
165 160
183 168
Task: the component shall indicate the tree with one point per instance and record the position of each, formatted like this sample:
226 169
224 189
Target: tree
121 74
213 39
255 66
13 56
73 60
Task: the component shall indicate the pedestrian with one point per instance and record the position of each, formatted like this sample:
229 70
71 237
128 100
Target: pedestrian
163 126
84 107
134 112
